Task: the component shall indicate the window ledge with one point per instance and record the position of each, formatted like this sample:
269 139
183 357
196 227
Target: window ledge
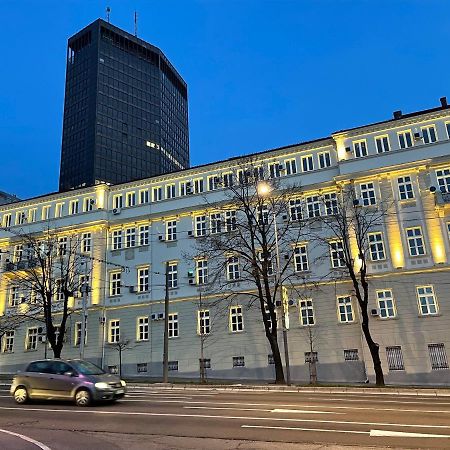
426 316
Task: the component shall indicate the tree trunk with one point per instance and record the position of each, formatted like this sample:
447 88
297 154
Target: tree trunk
374 349
279 373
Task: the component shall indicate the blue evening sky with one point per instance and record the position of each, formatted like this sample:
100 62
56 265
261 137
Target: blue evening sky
261 74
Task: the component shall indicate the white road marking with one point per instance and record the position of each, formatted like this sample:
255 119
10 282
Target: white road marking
305 429
299 411
211 416
26 438
302 411
385 433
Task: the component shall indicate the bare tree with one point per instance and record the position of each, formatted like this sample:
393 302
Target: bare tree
250 243
311 336
120 347
347 224
46 272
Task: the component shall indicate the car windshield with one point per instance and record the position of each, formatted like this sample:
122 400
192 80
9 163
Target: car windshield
87 368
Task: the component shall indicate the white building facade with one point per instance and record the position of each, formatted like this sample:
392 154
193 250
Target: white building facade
132 230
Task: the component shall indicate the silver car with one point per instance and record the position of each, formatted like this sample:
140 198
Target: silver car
71 379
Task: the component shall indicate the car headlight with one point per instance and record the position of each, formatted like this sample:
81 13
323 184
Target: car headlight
123 383
101 385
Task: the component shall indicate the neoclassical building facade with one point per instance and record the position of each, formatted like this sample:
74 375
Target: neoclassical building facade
131 231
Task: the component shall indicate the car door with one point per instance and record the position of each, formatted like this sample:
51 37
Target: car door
36 377
61 384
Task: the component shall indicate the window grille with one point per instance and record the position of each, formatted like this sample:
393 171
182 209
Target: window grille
438 356
351 354
394 358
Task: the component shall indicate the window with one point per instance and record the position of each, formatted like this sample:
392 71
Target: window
268 258
405 188
270 360
427 300
173 325
7 220
130 199
345 309
306 312
116 239
185 188
416 245
236 319
45 212
274 170
62 246
78 333
238 361
337 254
114 369
157 194
269 317
429 134
213 183
59 294
170 190
143 279
382 143
301 258
14 296
215 223
351 354
202 271
205 363
142 329
86 242
8 341
143 235
204 323
258 173
331 203
405 139
307 163
31 341
291 166
200 226
117 201
18 253
32 215
368 194
173 275
295 209
114 331
376 246
230 221
141 367
143 196
324 160
130 237
443 179
394 358
198 186
438 356
59 210
173 366
360 148
73 207
311 357
263 215
313 206
114 283
447 125
233 268
171 230
386 304
227 179
21 218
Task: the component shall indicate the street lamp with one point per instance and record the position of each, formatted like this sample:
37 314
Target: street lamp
264 189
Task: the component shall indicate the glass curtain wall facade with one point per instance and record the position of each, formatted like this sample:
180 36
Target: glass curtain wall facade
125 110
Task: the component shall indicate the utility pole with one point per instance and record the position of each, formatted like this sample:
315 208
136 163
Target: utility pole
202 341
84 291
166 330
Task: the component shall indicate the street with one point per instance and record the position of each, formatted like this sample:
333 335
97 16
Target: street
177 418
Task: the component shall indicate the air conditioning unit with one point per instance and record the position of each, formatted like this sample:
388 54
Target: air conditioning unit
191 281
348 149
154 316
161 316
286 256
132 289
92 201
161 238
417 135
285 217
42 338
190 274
374 312
102 320
278 303
190 233
116 211
357 202
280 167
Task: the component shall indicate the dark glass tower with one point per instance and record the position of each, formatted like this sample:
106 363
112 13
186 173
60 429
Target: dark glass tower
125 110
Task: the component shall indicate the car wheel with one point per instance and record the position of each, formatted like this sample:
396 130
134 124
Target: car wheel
83 397
21 395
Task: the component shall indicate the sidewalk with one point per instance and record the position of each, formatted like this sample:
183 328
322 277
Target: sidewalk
388 390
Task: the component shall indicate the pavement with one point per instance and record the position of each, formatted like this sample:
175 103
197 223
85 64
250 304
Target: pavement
165 417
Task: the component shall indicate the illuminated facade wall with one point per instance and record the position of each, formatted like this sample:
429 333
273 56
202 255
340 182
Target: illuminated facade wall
413 336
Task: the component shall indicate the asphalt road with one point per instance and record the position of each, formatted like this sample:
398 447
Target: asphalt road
162 418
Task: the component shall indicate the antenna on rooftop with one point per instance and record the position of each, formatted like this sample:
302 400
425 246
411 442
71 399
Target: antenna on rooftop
108 12
135 23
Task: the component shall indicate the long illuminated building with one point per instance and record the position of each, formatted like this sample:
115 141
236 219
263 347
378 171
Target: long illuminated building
135 228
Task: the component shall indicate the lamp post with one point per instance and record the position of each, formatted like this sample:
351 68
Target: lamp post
264 189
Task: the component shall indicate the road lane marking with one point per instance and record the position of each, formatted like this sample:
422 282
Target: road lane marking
305 429
386 433
26 438
212 416
302 411
299 411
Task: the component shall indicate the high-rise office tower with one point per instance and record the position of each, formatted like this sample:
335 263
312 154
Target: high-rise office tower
125 110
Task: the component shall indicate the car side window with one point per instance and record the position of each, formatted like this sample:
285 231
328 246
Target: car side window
60 368
40 367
